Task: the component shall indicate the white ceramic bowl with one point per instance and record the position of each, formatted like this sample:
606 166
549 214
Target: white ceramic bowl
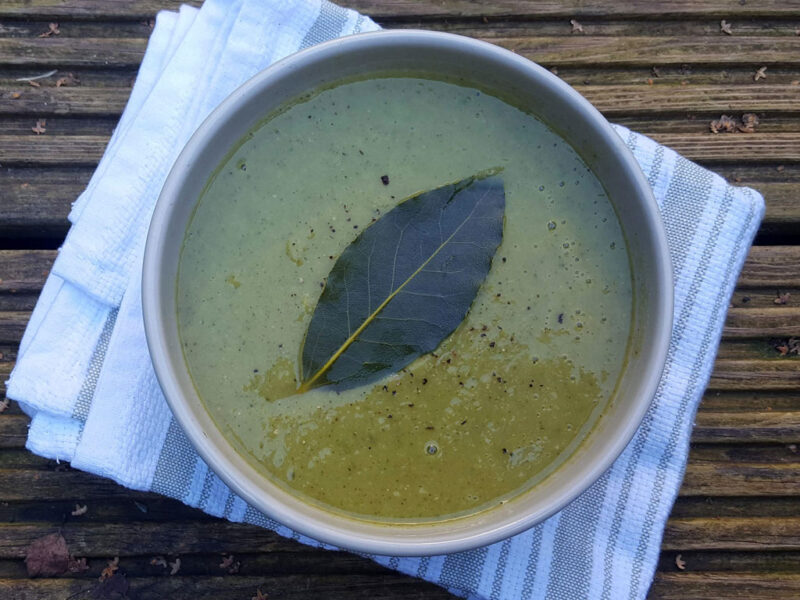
490 68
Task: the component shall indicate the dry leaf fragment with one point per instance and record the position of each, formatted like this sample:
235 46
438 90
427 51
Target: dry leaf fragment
649 82
749 122
725 27
259 595
724 124
52 30
175 566
33 83
109 571
656 71
783 349
77 565
70 79
3 405
16 95
760 74
229 564
680 563
782 298
79 510
554 70
227 561
158 561
792 448
115 587
576 27
73 80
47 556
40 127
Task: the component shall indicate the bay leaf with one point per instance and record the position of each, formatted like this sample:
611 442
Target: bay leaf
404 284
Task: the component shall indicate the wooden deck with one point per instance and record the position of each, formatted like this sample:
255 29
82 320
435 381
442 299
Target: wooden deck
663 68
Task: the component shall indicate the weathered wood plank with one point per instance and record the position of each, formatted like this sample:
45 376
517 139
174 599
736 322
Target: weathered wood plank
35 202
190 537
581 50
730 533
389 586
759 562
771 267
747 427
310 562
24 270
88 9
60 485
69 52
711 149
12 326
741 479
755 375
706 148
44 101
90 76
762 401
570 8
708 506
753 322
13 431
783 207
731 586
127 28
607 26
72 150
631 100
392 9
612 100
587 50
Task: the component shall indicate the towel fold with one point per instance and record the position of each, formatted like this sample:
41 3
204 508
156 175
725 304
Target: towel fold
84 375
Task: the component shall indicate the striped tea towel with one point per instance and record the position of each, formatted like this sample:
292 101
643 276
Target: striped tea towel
84 376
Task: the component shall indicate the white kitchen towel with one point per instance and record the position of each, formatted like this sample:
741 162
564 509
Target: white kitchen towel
84 375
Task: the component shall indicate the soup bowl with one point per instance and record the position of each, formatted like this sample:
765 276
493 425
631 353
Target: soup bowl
499 72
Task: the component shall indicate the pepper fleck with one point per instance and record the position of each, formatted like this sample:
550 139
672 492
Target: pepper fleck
385 179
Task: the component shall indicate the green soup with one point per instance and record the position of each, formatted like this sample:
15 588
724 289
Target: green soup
503 401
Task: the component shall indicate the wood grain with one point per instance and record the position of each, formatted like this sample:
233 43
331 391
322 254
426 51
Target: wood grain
552 51
45 101
72 150
392 9
612 100
331 587
708 149
713 586
71 52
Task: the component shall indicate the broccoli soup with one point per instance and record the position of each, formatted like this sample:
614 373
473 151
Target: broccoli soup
509 391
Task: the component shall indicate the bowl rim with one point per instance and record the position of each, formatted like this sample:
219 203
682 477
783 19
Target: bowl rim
338 534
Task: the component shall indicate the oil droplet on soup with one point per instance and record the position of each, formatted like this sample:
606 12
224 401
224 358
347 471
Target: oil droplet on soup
503 401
